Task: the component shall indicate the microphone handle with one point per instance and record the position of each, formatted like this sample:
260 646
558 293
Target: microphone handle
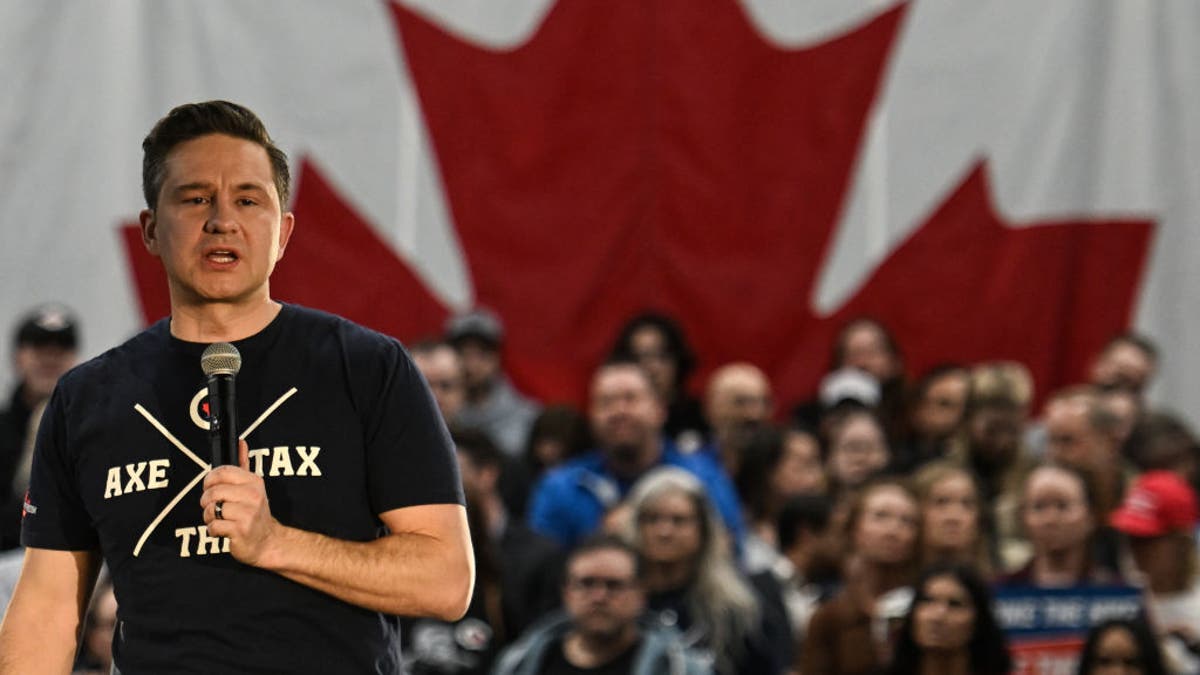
222 430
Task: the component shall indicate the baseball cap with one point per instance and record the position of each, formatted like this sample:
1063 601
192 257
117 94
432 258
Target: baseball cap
479 323
849 384
48 325
1158 502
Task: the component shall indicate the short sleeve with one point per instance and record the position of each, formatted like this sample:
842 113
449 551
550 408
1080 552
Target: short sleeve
410 457
55 516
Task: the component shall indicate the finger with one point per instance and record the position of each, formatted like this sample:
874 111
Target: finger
244 455
227 493
231 475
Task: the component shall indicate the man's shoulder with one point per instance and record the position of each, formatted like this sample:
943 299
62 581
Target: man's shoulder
307 320
566 479
143 349
699 463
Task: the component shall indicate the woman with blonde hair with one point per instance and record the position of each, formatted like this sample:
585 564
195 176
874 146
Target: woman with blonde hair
953 523
690 577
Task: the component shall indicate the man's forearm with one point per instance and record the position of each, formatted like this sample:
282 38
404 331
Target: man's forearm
404 573
40 633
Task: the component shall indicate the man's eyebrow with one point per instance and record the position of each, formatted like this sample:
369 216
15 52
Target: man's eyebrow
199 185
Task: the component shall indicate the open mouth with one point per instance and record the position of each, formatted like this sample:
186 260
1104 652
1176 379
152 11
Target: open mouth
222 256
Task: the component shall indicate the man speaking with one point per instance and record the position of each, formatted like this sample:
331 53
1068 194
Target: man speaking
345 507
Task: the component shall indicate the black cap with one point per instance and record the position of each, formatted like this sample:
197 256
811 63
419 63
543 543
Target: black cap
479 324
48 325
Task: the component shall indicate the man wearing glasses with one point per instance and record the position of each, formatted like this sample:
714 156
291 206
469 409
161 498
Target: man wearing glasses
601 632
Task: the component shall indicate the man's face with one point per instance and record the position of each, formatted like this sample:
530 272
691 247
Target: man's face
218 226
1071 439
480 363
443 372
602 594
1123 365
38 367
625 413
738 398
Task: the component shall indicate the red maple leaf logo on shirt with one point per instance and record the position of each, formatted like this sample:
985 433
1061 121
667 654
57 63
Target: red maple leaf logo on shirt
661 154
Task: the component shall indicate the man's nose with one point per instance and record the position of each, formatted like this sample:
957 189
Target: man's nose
221 218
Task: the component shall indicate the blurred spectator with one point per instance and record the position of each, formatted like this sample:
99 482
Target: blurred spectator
951 628
1125 407
492 404
559 433
1163 441
737 402
936 408
854 632
95 651
600 631
1059 517
529 565
1128 361
691 579
866 345
44 347
952 520
469 645
442 368
991 447
1159 516
626 414
658 343
1121 647
806 573
856 448
1083 434
771 473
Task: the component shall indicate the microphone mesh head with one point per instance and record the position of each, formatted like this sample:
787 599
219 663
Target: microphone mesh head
221 358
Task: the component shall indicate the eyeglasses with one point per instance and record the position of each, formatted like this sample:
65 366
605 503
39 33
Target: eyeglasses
675 519
610 585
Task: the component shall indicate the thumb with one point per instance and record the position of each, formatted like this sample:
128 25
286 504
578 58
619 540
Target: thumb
243 455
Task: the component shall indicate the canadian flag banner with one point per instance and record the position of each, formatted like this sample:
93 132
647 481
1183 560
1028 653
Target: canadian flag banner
1005 179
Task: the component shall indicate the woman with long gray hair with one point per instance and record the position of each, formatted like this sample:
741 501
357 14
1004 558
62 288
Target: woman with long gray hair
690 576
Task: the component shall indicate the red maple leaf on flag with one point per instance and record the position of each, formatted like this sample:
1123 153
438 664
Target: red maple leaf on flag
660 154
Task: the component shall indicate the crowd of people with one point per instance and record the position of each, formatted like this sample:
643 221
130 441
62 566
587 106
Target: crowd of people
863 531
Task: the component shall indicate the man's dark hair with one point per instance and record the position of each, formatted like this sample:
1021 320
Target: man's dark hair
802 513
621 361
761 452
1141 342
193 120
605 542
477 446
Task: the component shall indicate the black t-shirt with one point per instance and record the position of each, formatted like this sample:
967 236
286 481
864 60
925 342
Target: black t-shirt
556 663
339 423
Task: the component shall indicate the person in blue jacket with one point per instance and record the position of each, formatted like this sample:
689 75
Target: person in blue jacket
627 417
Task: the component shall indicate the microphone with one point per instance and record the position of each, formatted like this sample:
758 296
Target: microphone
221 362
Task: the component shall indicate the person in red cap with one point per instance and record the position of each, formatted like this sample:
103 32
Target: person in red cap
1159 517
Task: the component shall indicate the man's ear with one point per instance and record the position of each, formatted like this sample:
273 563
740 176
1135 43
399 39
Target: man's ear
149 225
286 224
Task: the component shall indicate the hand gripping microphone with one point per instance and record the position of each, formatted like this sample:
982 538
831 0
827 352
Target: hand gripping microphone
221 363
